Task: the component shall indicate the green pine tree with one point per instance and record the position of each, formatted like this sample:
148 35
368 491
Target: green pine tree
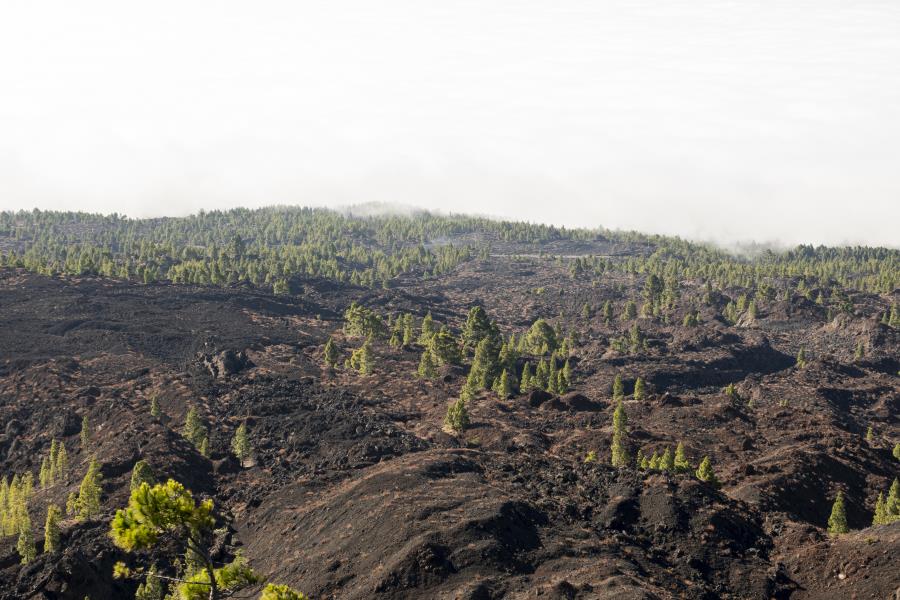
837 522
51 529
428 330
88 503
666 462
607 312
457 419
639 389
141 473
240 443
527 384
682 465
86 434
44 476
896 452
330 354
155 411
61 470
362 359
194 430
892 504
618 389
25 545
152 588
54 456
880 517
427 368
619 447
504 387
801 358
71 504
705 472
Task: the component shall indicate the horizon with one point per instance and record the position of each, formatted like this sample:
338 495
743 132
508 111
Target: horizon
746 248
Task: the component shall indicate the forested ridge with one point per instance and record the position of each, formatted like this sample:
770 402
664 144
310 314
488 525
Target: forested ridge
266 247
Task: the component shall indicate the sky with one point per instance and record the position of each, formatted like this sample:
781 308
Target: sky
714 120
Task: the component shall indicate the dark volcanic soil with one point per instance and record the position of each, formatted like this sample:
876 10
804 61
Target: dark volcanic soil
354 490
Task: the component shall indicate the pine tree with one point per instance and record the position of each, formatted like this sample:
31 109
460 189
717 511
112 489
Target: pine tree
892 504
837 522
155 411
681 464
504 388
427 329
88 503
567 374
61 469
44 476
639 389
552 376
362 359
71 504
801 358
620 437
4 496
396 341
204 446
561 386
477 328
640 458
896 452
645 463
471 387
141 473
152 588
457 419
635 338
281 592
705 472
330 353
666 463
54 455
527 384
407 330
427 369
25 545
870 434
630 311
618 390
860 351
607 312
194 430
540 378
86 433
880 517
51 529
485 364
653 463
240 444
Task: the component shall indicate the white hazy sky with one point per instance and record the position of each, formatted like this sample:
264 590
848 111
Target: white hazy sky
706 118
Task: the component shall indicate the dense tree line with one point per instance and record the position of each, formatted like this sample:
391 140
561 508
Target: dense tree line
266 247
